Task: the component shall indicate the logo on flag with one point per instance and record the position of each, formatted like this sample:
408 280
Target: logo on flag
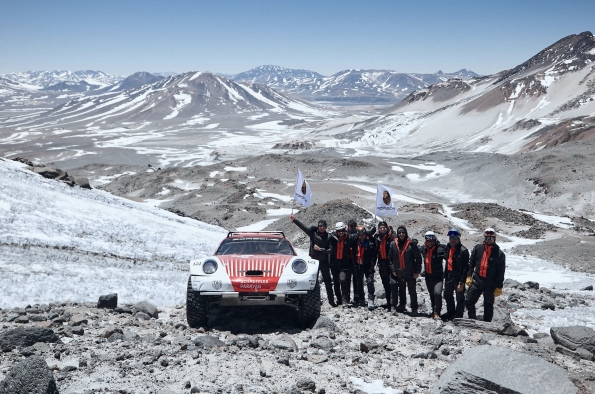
384 203
303 193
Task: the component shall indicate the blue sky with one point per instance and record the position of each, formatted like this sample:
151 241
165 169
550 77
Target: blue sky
121 37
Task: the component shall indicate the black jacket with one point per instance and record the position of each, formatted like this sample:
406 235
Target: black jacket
412 259
433 268
350 242
460 264
322 240
368 255
494 275
384 247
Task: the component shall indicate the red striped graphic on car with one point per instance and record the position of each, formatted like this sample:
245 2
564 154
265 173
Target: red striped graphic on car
271 266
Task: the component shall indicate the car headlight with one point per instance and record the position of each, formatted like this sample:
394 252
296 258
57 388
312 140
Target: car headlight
299 266
209 267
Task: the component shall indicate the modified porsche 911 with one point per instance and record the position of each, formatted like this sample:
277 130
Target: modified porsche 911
253 268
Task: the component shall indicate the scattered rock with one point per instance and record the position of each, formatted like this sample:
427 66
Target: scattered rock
580 339
501 370
324 322
109 301
109 331
78 330
532 285
367 346
284 343
317 358
208 341
502 329
31 375
588 288
77 320
322 343
23 337
148 308
306 384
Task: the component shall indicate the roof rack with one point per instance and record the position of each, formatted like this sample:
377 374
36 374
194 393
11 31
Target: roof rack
232 233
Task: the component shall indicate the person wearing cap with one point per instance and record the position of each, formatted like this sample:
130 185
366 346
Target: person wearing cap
383 240
320 249
487 264
405 266
455 271
433 254
365 260
342 262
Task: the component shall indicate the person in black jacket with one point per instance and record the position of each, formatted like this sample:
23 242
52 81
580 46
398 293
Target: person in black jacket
365 260
455 271
342 262
320 249
432 254
405 266
487 264
383 240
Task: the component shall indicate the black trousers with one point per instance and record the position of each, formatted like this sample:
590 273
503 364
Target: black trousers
399 287
345 281
473 295
435 290
362 273
384 271
450 292
325 269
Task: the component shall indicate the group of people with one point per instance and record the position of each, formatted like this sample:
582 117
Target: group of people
350 254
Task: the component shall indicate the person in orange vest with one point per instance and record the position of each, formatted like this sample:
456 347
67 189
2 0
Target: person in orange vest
405 267
383 239
455 272
342 262
363 267
487 264
432 254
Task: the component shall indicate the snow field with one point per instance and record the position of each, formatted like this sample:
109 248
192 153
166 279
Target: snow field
53 239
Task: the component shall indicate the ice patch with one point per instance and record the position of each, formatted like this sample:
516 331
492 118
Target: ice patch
211 126
229 168
558 221
279 212
374 387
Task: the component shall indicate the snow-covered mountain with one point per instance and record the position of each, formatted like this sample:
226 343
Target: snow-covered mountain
54 80
135 81
348 86
545 101
173 99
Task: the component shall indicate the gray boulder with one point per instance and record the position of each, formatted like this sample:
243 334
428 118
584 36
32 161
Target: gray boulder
47 172
208 341
109 301
31 375
580 339
498 370
322 343
148 308
83 182
23 337
324 322
513 284
284 343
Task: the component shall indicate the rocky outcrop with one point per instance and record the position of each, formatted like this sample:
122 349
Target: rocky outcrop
109 301
498 370
30 376
55 173
579 340
21 337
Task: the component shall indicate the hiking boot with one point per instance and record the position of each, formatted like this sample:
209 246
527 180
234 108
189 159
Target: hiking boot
414 313
371 306
436 316
332 303
400 309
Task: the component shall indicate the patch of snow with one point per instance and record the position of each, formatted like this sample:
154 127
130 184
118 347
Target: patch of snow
229 168
258 226
374 387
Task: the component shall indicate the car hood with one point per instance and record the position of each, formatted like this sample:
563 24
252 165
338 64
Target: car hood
237 266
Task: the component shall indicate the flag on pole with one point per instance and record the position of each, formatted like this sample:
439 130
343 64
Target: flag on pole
303 193
384 202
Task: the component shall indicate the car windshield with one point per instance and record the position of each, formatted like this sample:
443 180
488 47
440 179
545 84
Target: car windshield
255 246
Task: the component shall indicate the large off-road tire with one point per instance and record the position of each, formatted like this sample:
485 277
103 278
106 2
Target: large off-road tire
197 308
309 307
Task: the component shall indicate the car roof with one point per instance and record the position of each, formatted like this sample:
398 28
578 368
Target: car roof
256 234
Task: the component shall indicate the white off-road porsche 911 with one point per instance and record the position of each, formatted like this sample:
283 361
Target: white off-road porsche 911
253 268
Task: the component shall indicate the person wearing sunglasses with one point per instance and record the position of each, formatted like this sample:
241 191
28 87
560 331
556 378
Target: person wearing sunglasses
455 271
320 249
487 264
342 262
433 254
383 240
405 267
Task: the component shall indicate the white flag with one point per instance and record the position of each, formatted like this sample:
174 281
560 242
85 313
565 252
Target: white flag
303 193
384 202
